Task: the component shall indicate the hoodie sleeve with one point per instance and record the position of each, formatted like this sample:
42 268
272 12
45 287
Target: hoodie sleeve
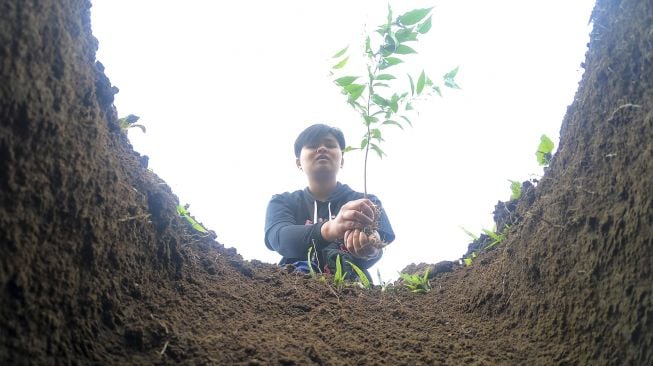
284 235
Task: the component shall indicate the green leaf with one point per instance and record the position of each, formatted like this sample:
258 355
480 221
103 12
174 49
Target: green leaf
136 125
340 53
544 150
354 91
368 47
378 150
406 118
376 134
449 79
346 80
402 49
412 85
470 234
389 61
515 187
309 261
370 120
406 35
394 103
413 16
379 100
437 90
341 64
382 84
391 122
384 77
364 142
409 107
183 212
349 148
390 45
361 275
420 82
424 27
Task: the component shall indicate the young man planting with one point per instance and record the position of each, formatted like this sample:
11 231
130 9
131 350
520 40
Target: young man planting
327 215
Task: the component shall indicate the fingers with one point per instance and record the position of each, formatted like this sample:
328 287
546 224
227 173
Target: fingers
363 205
360 244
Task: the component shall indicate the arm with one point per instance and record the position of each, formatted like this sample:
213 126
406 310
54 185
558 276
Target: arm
284 235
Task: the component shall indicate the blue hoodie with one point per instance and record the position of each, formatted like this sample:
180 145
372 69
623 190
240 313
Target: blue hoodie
294 220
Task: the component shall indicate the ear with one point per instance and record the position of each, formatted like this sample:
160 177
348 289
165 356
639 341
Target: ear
342 162
299 164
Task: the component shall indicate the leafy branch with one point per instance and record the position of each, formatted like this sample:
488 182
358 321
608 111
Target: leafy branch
374 96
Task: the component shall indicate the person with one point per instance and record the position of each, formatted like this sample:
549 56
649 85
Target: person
327 215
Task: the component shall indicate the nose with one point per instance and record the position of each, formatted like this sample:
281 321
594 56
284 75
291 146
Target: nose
321 149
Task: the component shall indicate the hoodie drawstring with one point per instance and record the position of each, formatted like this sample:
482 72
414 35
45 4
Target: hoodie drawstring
315 212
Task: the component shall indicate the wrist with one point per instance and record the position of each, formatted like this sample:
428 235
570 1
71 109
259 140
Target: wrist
325 232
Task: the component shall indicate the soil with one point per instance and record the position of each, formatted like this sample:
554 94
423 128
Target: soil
98 268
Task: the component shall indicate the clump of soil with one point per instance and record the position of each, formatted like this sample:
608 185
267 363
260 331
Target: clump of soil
97 266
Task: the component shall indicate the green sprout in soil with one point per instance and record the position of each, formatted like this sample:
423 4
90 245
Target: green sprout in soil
362 278
544 150
183 212
469 259
515 188
384 285
311 271
128 122
340 275
374 95
416 283
497 237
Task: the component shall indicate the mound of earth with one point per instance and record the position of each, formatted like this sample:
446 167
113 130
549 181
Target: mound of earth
97 267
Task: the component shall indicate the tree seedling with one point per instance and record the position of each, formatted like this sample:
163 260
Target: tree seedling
375 96
416 283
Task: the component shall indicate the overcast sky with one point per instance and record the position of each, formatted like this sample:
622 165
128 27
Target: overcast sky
224 88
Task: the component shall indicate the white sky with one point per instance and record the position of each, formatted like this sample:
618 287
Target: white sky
224 88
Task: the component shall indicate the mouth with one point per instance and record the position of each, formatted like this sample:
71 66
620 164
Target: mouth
322 157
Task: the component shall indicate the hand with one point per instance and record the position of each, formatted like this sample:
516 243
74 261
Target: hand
355 214
362 245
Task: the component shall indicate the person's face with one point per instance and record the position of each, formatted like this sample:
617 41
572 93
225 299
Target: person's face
321 159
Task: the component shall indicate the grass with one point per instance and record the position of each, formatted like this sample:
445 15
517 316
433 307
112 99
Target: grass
416 283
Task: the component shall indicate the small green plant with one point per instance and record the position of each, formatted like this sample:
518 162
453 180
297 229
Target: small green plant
469 259
372 95
362 278
416 283
384 285
497 237
310 262
470 234
340 275
515 188
544 150
183 212
128 122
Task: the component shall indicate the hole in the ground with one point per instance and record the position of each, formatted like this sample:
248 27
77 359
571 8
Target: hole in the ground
224 96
